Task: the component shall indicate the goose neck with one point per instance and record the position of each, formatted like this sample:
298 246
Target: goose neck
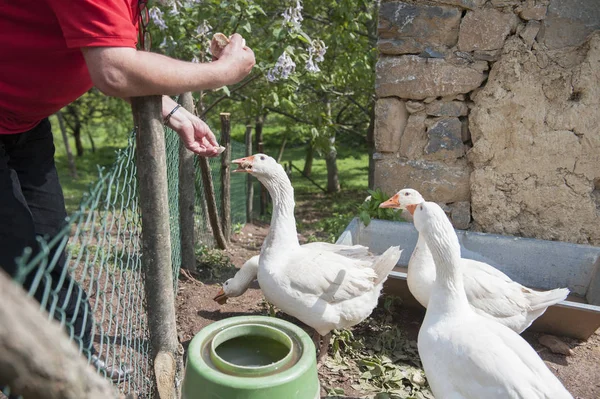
448 293
282 232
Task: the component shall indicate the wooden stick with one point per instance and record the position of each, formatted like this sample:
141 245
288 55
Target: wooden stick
225 175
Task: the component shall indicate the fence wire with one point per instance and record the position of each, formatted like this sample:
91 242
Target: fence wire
102 243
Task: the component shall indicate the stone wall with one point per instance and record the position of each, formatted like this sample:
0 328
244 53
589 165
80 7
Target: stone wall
492 108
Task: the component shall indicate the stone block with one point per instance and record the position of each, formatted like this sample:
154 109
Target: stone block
529 33
408 28
465 4
436 181
414 106
416 78
447 108
535 12
390 119
487 55
445 139
460 214
414 138
568 23
485 29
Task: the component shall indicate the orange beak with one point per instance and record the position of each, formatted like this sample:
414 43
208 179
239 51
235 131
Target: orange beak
244 164
411 208
221 297
391 203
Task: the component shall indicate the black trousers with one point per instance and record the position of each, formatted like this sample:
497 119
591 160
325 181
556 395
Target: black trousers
32 204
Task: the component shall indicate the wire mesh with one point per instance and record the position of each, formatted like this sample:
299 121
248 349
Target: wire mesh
102 243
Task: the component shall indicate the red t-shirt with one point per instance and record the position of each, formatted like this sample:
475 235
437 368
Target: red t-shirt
42 68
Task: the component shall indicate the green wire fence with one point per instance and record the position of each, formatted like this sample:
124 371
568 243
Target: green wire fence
102 240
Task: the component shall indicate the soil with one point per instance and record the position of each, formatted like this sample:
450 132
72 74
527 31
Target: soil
196 309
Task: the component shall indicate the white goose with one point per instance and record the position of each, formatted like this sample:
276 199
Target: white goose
240 282
323 289
465 355
490 292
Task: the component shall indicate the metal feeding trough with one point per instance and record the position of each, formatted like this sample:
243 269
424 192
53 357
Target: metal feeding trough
251 357
538 264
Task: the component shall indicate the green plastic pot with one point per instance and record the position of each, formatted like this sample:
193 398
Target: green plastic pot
251 357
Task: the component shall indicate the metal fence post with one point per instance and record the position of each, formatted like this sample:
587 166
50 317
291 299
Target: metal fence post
156 245
187 196
225 176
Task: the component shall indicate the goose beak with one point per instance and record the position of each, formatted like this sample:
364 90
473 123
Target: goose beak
411 208
221 297
391 203
244 164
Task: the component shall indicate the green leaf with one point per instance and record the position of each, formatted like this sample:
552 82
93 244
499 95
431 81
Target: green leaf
226 90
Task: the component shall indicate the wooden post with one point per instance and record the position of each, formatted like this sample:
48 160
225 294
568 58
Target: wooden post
187 196
211 203
225 176
38 361
209 194
156 245
249 182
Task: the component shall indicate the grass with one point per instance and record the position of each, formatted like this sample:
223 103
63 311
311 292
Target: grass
87 165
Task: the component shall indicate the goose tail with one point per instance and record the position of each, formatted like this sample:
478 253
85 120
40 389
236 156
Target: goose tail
541 300
385 263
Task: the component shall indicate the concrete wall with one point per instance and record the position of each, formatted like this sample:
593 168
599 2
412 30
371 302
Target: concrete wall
493 109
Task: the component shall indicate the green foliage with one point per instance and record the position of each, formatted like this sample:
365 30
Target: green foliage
386 360
213 264
370 209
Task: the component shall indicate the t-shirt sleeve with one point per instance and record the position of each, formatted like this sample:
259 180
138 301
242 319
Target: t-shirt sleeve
97 23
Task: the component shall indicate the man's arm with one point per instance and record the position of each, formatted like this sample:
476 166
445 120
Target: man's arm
125 72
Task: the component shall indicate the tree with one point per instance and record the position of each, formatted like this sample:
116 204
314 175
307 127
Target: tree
315 63
94 111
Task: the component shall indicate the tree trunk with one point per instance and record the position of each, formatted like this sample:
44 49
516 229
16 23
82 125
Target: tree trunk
333 182
281 149
187 195
38 361
63 131
156 245
91 141
78 144
308 160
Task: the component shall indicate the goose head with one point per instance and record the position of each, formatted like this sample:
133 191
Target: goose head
260 166
239 283
402 199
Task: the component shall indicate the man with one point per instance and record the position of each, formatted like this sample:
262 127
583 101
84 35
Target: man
52 52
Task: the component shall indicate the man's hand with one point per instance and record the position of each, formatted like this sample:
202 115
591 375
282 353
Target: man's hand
236 58
193 132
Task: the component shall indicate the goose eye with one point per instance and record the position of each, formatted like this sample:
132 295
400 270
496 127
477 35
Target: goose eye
406 194
262 158
421 207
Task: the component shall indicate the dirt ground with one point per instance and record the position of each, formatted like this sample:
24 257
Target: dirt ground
580 373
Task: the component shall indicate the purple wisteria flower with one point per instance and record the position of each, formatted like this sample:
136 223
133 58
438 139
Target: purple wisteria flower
293 15
317 51
157 18
284 67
